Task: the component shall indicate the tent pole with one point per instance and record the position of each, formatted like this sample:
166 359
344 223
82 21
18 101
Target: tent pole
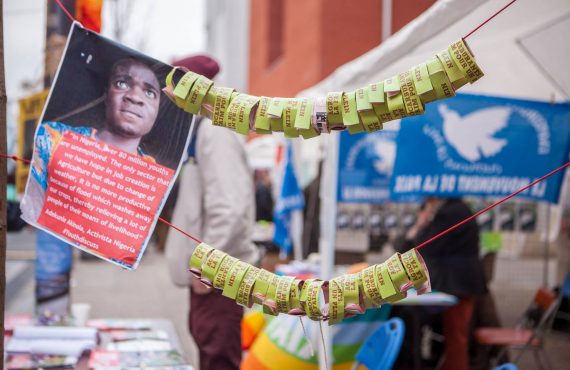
546 249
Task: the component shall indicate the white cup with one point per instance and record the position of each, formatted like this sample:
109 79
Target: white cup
80 313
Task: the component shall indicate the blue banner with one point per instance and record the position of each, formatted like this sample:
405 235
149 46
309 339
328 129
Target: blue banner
365 166
290 199
485 146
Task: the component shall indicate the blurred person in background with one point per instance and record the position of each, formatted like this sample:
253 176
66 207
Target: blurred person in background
454 267
216 203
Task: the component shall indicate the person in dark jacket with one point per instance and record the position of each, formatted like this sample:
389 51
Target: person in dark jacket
454 267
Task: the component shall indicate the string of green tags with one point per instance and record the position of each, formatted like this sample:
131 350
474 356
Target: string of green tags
363 110
332 301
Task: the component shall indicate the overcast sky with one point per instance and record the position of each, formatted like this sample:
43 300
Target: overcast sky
164 29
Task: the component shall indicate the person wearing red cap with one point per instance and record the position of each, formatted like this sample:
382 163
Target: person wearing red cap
216 202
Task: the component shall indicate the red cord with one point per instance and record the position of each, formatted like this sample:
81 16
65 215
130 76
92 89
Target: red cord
179 230
488 19
15 158
417 247
493 205
65 10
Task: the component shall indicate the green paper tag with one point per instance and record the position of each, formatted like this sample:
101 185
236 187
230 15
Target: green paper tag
385 285
198 256
282 293
312 302
376 93
349 112
414 268
261 119
439 80
238 113
422 83
183 87
261 285
221 102
463 58
336 301
396 106
453 72
334 104
234 279
270 296
370 285
197 94
212 264
275 113
370 120
244 292
412 102
392 86
289 116
362 102
223 270
397 273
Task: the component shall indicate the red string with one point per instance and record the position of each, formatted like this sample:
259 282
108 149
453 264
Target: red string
65 10
15 158
488 19
179 230
493 205
417 247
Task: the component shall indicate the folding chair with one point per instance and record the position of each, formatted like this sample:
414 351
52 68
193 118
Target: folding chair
381 348
529 334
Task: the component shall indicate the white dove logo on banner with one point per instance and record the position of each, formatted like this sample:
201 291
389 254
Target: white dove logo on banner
386 154
472 135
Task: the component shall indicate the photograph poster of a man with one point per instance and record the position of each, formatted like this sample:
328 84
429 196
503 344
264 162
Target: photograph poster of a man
106 151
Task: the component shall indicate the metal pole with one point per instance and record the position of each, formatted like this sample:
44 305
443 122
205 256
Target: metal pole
328 194
546 249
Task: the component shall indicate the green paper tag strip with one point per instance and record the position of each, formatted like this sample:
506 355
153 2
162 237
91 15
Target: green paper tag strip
392 86
412 101
183 88
336 301
303 120
289 116
223 270
197 95
385 285
261 285
275 113
198 256
334 115
262 124
376 93
312 303
238 114
304 294
222 97
397 273
370 286
396 106
414 268
282 294
349 112
362 102
455 75
439 80
212 264
464 60
244 293
370 121
295 298
269 305
234 279
422 83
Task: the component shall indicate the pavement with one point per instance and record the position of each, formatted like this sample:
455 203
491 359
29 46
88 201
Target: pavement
148 292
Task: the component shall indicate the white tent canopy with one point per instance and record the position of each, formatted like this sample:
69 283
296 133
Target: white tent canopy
522 51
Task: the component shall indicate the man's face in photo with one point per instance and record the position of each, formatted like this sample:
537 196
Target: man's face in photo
132 101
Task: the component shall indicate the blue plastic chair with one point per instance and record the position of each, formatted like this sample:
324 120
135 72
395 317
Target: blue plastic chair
508 366
380 349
